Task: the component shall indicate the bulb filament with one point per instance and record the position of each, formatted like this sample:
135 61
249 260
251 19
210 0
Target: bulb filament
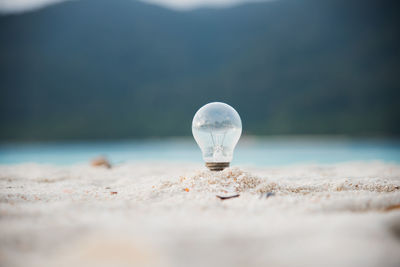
218 148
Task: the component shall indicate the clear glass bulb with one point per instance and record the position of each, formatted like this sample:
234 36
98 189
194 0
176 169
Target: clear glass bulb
217 128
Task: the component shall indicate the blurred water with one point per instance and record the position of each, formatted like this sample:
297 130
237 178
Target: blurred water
250 151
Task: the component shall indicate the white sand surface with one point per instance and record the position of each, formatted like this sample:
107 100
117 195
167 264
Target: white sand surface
167 214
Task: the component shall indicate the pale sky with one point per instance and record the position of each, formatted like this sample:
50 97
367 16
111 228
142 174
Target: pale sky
24 5
190 4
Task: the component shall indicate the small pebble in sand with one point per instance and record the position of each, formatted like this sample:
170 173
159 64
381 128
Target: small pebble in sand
267 195
393 207
101 162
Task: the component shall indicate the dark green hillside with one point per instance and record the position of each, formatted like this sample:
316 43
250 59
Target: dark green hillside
120 69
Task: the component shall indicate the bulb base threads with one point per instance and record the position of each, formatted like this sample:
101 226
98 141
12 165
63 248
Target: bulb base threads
217 166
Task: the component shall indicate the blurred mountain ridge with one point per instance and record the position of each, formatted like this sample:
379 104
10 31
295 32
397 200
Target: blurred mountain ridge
123 69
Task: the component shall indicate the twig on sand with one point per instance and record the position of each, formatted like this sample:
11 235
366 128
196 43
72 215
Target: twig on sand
227 197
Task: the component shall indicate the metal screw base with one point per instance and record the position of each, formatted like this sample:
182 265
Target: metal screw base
217 166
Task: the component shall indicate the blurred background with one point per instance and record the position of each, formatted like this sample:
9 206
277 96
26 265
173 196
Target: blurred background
313 81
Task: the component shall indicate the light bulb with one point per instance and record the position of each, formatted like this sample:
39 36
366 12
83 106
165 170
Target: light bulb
217 128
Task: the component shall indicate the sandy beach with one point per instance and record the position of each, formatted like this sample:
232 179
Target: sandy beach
166 214
199 133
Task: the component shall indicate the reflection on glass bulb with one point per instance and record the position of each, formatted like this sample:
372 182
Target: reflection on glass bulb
217 128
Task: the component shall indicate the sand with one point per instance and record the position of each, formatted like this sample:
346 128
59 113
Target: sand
167 214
